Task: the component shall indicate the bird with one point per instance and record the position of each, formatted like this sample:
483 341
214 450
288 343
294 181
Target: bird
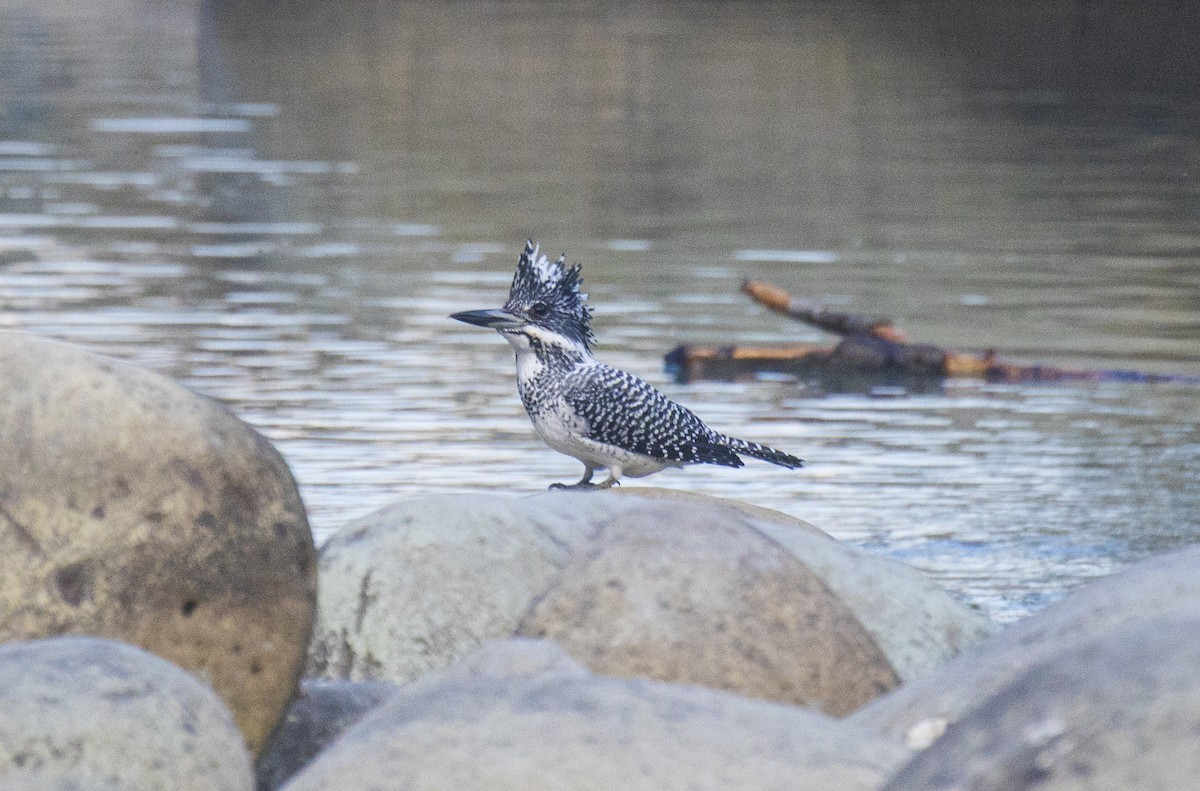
602 416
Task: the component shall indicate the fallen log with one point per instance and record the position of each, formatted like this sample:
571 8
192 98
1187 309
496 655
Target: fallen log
871 349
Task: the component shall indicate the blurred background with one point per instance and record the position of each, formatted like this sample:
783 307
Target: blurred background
279 203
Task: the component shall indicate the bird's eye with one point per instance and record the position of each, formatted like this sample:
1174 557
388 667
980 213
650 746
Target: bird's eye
539 310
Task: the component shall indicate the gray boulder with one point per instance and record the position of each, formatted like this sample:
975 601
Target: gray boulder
518 656
1110 713
558 728
920 710
416 585
21 780
133 509
91 714
677 592
476 564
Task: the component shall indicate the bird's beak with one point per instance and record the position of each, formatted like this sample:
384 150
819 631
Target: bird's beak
495 319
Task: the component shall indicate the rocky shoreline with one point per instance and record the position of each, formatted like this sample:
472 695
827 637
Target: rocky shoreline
162 626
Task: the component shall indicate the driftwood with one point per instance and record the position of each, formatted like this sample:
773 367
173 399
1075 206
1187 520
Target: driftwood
871 348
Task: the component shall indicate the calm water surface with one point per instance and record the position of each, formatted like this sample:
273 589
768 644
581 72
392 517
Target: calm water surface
279 205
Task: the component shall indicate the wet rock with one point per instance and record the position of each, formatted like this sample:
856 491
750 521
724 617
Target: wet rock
630 587
317 716
1109 713
134 509
920 710
678 593
557 729
98 715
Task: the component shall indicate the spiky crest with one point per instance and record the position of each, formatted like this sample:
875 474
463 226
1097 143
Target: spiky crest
555 285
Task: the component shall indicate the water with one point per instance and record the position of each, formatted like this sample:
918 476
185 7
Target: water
279 206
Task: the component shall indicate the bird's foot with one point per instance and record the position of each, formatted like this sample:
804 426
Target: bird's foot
575 487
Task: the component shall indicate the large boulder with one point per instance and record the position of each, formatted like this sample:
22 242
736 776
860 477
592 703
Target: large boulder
475 564
418 584
560 728
676 592
920 710
1109 713
918 625
134 509
33 781
85 713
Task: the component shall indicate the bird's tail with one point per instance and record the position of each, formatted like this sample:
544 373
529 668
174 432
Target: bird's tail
764 453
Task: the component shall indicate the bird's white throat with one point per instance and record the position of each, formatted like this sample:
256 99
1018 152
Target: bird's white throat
536 347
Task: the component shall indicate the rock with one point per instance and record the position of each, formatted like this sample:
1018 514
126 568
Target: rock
30 781
1110 713
477 562
97 715
134 509
918 625
558 729
519 656
678 593
317 716
416 585
920 710
324 709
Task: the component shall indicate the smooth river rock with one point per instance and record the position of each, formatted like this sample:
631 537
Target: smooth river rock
476 565
98 715
920 710
560 729
133 509
679 592
1113 712
418 584
918 625
32 781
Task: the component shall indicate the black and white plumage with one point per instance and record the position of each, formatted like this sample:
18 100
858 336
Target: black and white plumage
581 407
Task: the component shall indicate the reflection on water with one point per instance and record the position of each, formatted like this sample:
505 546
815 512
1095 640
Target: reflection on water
279 205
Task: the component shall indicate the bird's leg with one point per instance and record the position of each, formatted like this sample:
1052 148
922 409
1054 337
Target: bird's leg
611 482
584 483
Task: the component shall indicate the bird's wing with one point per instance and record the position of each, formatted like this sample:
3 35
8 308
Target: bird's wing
624 411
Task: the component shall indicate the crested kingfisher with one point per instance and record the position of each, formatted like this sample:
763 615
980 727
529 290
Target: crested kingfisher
579 406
